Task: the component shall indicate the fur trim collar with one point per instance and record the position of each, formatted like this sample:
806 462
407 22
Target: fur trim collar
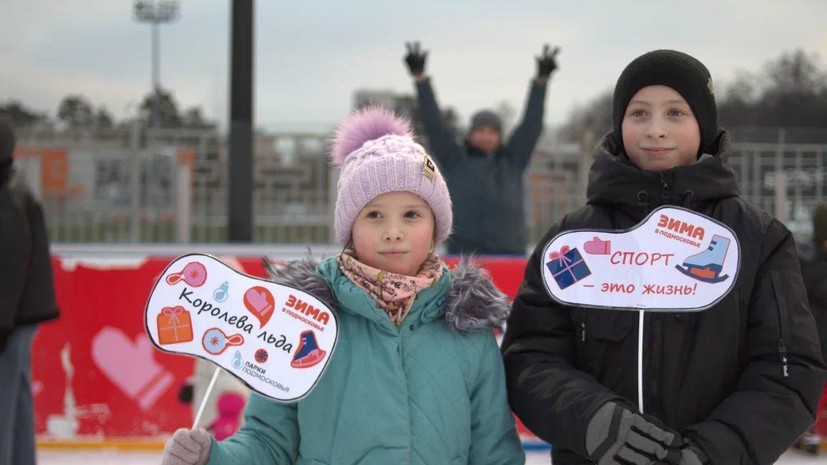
472 303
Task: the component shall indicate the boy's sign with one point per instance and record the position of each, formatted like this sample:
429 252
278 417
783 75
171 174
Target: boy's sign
675 260
276 339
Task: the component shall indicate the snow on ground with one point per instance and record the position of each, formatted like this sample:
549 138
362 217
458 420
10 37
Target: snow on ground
111 457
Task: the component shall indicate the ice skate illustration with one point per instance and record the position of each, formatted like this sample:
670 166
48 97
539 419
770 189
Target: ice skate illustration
308 353
706 266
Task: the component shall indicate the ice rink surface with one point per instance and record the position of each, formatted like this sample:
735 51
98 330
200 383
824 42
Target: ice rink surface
113 457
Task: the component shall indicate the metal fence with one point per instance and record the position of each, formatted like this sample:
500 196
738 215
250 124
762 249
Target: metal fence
786 180
170 186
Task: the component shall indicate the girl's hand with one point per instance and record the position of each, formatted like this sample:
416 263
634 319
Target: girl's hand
187 447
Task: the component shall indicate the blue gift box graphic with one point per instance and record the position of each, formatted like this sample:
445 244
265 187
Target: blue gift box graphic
567 267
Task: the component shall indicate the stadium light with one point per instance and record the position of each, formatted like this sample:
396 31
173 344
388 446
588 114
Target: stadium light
148 11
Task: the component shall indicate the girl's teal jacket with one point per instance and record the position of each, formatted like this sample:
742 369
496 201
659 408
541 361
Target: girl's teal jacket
430 391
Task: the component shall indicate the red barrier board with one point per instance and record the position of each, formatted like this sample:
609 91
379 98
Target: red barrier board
96 374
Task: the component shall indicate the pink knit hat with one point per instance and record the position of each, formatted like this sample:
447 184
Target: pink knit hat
377 154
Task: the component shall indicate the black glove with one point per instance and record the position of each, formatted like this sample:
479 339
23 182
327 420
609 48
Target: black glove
616 435
415 58
547 61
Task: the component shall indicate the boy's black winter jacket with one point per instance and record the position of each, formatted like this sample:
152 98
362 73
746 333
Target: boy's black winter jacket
742 378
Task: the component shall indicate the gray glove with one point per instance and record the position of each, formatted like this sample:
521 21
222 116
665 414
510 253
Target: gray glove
616 435
692 455
187 447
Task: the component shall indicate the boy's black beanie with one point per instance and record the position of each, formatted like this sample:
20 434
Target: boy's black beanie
688 76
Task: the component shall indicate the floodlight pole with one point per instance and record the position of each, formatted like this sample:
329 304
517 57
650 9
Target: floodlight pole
240 191
147 11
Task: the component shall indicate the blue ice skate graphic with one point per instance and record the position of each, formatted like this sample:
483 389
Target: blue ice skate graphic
706 266
309 353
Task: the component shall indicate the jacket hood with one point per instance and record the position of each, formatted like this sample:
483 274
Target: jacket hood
473 301
614 179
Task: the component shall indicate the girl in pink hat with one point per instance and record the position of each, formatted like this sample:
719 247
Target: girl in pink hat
416 377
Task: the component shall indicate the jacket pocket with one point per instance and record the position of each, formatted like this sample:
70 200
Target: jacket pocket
601 335
608 325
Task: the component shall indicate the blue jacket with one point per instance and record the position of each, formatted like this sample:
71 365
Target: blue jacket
486 191
430 391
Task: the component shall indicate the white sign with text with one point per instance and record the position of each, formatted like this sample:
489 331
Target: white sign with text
276 339
674 260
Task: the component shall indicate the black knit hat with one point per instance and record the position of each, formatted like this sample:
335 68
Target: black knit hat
688 76
486 118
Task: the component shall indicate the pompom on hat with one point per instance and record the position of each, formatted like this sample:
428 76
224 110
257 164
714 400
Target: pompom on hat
682 72
377 154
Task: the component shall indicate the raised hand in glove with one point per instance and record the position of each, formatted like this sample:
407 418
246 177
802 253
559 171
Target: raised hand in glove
187 447
547 61
415 59
616 435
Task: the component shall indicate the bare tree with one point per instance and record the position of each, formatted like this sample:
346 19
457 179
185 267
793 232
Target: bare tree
736 106
76 111
103 119
193 117
596 116
20 115
792 92
796 93
168 116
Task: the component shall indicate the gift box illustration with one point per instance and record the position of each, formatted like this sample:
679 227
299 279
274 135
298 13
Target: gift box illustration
174 325
567 267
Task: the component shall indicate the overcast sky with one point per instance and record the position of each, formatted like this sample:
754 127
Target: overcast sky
312 55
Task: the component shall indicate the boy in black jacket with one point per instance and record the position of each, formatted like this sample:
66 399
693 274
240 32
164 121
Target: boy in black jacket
735 383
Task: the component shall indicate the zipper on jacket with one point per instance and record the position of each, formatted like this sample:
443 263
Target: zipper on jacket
665 190
583 330
782 351
782 314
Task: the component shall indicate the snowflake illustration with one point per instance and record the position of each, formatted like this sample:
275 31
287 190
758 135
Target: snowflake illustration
214 341
261 356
